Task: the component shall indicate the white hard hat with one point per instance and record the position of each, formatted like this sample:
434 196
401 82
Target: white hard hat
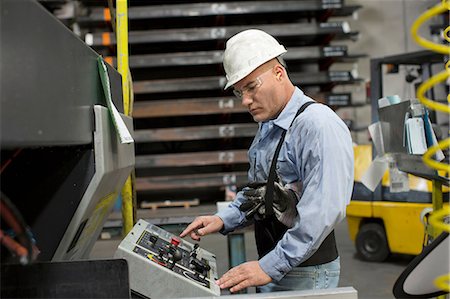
246 51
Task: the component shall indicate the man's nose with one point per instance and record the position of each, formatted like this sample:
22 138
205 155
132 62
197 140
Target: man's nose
246 99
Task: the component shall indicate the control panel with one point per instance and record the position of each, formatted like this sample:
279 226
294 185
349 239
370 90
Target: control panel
164 266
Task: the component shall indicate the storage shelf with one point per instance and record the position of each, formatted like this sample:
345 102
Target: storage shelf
218 82
196 133
192 159
217 105
298 54
192 181
338 30
186 121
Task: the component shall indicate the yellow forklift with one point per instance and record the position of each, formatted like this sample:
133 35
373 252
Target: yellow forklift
394 224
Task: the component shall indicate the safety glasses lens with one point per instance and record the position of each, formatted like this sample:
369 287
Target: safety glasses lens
237 93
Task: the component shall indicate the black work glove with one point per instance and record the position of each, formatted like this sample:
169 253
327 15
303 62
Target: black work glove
284 203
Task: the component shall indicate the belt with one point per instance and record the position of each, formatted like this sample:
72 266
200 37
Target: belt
326 253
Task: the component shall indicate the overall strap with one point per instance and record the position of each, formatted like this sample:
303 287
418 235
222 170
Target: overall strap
270 187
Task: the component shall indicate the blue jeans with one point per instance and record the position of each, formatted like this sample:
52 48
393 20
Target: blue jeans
307 278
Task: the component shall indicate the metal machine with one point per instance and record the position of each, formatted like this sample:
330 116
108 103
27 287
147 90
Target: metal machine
62 162
163 266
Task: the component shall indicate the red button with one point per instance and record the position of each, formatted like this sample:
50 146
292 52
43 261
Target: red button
175 241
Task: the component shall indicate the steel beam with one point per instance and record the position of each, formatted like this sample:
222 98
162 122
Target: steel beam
179 84
218 105
223 9
192 159
336 293
301 30
180 107
179 59
218 82
196 133
191 181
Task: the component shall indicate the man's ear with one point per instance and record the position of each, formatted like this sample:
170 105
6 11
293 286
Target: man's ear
279 72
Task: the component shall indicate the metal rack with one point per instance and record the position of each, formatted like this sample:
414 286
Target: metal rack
181 111
317 8
425 59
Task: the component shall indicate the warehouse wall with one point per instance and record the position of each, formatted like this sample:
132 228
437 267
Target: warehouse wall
384 27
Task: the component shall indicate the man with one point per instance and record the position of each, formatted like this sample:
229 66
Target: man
296 201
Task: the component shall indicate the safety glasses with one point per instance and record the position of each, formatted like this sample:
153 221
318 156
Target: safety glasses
250 89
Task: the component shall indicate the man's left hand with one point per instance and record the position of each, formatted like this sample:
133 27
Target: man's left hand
243 276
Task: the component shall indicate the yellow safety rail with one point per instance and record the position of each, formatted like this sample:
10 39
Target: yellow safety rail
439 214
122 50
128 198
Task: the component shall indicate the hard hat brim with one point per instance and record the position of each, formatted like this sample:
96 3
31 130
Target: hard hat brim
244 73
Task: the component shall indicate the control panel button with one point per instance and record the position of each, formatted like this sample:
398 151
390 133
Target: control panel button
175 241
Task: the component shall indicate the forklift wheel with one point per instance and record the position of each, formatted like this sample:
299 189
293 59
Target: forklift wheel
371 243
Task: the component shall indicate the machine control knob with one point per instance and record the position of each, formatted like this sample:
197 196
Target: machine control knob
161 252
193 253
177 255
199 266
153 239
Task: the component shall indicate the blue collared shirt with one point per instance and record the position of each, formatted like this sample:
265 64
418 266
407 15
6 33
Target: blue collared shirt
316 161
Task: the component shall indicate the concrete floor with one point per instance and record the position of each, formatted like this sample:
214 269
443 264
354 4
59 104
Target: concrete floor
371 280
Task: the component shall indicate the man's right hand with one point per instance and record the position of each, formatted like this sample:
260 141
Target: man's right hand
202 226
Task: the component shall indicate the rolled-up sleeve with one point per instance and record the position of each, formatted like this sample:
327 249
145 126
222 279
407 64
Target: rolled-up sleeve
320 147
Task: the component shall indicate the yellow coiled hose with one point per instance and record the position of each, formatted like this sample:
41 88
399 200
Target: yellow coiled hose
437 219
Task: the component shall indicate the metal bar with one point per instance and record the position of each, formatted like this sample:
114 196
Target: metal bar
236 251
309 54
191 181
179 84
218 82
337 29
376 92
437 201
220 8
335 99
128 202
413 58
176 59
376 86
192 159
122 51
196 133
179 107
346 11
218 105
336 293
427 73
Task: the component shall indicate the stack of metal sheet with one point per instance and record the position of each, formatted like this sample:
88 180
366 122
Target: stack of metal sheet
191 135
